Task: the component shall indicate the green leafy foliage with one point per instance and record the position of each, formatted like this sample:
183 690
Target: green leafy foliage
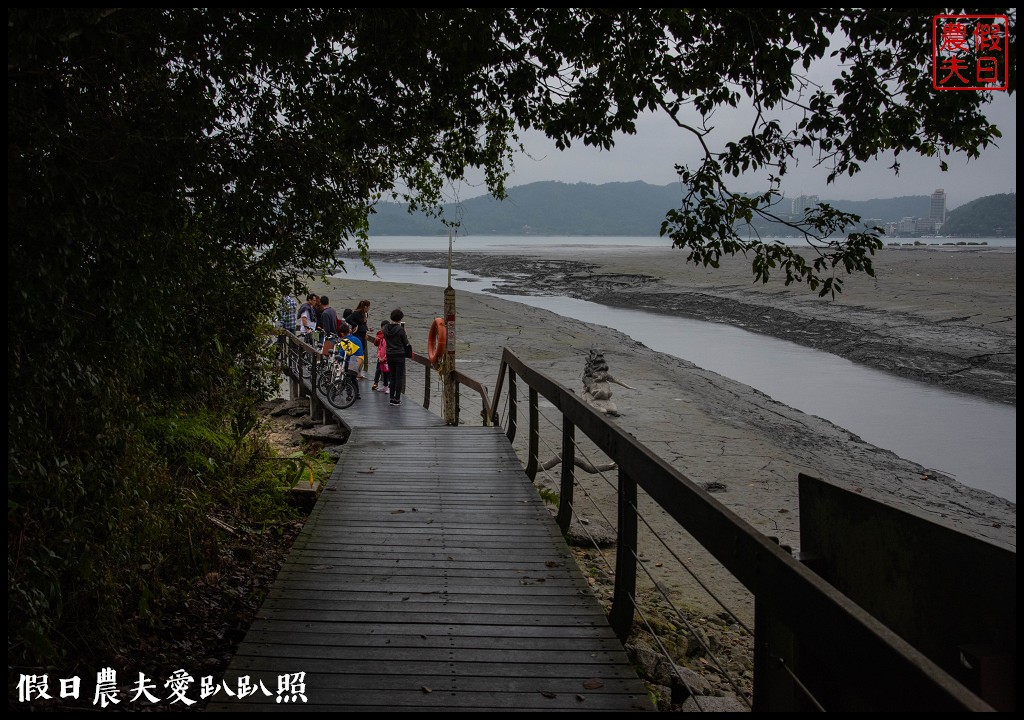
89 570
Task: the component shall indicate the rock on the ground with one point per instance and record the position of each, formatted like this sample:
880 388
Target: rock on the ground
727 703
334 434
334 452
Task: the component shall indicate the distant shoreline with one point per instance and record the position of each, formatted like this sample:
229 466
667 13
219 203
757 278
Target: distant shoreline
638 208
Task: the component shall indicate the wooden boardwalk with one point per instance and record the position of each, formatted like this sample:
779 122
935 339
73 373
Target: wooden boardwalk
430 576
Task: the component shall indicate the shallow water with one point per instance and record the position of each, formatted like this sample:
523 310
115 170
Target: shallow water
967 438
484 243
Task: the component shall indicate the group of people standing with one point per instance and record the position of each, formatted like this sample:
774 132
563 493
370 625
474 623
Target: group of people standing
391 340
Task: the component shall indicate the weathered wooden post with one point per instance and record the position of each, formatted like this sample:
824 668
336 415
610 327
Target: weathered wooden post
295 372
624 593
449 403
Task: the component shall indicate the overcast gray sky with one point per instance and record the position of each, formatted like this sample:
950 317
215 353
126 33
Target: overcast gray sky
652 153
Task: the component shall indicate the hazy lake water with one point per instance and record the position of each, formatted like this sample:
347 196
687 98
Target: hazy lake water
970 439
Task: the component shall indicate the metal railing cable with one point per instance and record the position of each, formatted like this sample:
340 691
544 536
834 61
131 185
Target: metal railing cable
792 676
693 631
586 530
504 411
665 652
593 541
576 481
679 613
692 574
799 605
597 546
655 533
636 603
469 390
643 616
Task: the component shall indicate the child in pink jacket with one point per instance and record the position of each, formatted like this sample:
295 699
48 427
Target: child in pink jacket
383 372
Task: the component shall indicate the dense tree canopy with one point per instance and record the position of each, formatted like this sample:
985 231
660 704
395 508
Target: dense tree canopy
171 170
282 127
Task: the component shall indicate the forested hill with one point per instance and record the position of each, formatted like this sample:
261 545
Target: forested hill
556 208
991 216
545 208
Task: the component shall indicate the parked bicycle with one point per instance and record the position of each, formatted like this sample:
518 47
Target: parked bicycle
334 379
325 363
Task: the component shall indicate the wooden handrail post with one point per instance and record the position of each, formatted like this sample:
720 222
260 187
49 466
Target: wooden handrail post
315 408
534 460
485 410
458 389
623 604
774 689
426 386
294 373
511 432
502 368
462 380
565 490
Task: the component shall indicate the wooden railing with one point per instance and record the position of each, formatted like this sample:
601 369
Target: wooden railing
794 607
460 379
800 619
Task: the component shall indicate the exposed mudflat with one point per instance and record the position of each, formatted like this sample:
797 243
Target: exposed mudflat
943 316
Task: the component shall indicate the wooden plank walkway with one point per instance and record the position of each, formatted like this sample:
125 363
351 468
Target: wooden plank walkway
430 576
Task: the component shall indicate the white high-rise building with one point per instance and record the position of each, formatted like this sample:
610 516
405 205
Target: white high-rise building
800 204
938 211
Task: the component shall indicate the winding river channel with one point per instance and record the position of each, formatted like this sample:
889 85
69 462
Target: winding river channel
969 439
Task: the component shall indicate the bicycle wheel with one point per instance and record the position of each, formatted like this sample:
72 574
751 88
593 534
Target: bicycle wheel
342 393
324 378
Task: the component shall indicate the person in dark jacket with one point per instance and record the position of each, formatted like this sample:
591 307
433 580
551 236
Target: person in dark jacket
396 339
307 316
328 322
358 319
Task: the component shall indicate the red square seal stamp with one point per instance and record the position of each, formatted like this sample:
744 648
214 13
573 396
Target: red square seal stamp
970 52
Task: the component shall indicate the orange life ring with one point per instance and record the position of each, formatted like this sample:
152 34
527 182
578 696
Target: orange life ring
437 341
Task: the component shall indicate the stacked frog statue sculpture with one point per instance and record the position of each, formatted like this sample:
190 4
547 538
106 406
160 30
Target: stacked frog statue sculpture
597 384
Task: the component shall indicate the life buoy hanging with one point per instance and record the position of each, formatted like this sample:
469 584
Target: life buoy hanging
437 341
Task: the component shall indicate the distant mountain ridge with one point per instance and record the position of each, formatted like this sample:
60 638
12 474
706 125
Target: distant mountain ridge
990 216
621 208
544 208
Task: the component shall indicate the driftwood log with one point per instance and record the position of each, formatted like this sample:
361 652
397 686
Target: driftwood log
584 465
